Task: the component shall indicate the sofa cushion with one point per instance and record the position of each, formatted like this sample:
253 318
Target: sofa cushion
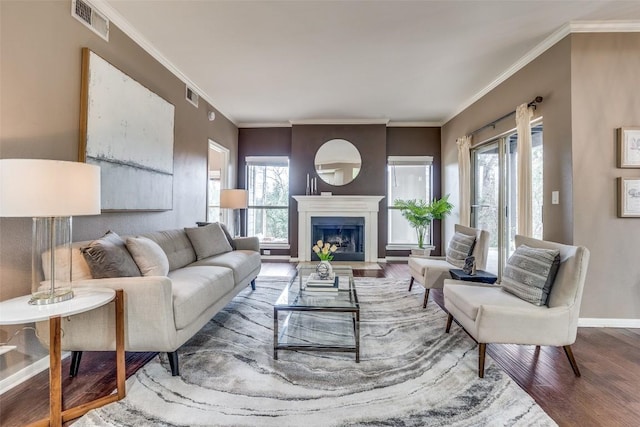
460 247
196 288
530 272
176 245
108 257
208 241
243 263
149 256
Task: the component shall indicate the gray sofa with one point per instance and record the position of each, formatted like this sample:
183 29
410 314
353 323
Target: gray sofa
161 311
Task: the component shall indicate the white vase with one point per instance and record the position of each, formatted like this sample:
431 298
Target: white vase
324 269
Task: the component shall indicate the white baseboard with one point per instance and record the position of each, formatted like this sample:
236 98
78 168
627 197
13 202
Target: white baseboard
27 372
584 322
275 257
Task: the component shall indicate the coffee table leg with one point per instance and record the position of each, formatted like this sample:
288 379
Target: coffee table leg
275 334
357 333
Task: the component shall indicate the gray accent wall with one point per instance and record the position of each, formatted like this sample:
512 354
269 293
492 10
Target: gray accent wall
590 87
40 109
374 142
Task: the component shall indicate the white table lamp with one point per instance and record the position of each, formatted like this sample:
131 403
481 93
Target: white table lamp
234 199
49 191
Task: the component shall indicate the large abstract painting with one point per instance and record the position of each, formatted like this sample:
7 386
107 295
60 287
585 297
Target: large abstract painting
127 130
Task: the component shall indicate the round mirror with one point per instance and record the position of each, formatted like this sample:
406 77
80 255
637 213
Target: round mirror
338 162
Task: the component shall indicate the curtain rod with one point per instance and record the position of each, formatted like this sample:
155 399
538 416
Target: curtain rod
537 100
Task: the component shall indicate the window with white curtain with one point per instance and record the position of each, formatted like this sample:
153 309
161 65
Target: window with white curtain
268 204
408 177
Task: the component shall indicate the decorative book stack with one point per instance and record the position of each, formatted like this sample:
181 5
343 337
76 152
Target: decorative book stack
315 283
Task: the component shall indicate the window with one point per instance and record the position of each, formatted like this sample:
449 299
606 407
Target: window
268 210
495 198
408 177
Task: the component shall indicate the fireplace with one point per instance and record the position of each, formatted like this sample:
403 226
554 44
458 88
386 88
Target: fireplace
347 233
365 207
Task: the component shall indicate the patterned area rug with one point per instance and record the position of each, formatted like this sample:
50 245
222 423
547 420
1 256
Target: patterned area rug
411 373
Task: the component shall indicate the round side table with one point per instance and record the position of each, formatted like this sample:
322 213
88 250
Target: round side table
18 311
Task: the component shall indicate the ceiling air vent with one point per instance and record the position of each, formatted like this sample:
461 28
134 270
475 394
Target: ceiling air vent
90 17
191 96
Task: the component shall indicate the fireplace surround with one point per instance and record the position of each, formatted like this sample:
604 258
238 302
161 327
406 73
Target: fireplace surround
365 207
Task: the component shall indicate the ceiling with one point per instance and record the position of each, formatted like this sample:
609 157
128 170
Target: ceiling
272 62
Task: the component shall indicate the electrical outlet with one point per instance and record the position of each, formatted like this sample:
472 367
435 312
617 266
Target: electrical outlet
266 252
555 197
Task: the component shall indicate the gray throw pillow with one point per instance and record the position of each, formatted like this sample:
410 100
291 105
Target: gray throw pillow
224 229
149 256
460 247
530 273
108 257
208 240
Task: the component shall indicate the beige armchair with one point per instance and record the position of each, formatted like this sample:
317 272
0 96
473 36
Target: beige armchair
491 315
432 271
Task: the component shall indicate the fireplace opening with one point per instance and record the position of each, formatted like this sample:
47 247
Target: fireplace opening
347 233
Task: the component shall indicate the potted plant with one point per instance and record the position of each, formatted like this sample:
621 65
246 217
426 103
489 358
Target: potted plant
419 213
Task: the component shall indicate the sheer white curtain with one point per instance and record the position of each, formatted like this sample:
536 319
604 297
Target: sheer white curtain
464 180
524 113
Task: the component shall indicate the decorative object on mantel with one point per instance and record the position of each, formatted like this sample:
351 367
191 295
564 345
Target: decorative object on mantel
420 213
629 197
308 190
324 252
470 265
629 147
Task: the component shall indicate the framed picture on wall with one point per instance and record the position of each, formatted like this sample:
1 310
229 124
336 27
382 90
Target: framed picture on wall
628 197
127 130
629 147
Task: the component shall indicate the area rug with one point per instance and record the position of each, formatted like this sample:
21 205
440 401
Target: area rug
411 373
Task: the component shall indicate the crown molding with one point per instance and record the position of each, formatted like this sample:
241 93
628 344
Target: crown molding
340 122
414 124
264 125
604 26
126 27
555 37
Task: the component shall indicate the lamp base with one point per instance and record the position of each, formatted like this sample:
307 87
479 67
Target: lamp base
44 298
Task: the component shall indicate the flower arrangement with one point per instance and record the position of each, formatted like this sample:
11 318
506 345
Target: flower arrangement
324 250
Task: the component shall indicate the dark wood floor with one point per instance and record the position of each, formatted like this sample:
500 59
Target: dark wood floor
607 394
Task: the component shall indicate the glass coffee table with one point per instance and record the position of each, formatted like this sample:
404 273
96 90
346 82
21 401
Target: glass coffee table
318 320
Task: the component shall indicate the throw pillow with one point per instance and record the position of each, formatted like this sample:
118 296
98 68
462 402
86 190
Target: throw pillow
149 256
530 273
224 229
460 247
109 257
208 240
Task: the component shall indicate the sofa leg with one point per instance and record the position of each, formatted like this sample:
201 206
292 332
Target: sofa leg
426 298
173 363
75 363
572 360
449 320
253 285
411 283
482 348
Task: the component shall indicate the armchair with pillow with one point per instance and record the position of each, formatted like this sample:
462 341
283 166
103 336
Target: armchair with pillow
174 282
538 302
432 271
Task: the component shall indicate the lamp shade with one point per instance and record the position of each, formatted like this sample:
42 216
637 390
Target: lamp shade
233 199
48 188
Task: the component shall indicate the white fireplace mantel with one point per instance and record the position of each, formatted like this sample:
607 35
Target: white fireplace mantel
354 206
